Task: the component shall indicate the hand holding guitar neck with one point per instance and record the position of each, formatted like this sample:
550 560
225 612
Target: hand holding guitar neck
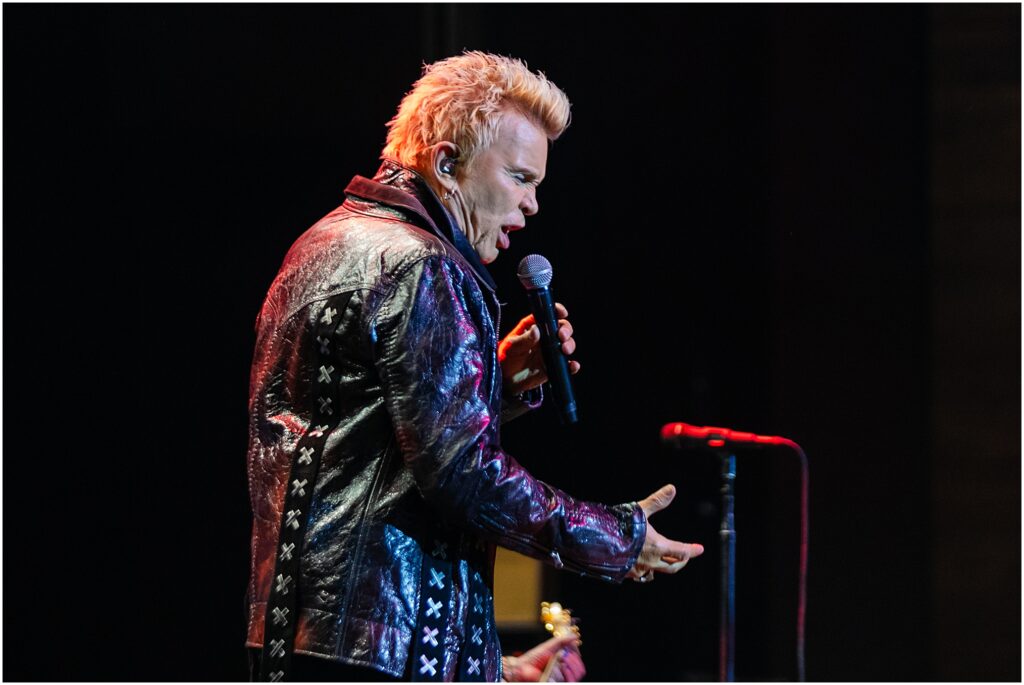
557 659
560 623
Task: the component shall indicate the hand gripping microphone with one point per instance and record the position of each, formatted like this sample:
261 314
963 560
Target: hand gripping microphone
535 274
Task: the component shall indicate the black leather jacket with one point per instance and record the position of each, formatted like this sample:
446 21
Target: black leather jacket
415 464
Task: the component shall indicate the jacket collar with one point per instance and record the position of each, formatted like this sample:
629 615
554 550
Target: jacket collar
397 186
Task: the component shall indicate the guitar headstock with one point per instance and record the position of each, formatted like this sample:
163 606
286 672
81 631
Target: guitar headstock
557 620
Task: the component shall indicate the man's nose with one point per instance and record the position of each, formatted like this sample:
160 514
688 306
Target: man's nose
529 203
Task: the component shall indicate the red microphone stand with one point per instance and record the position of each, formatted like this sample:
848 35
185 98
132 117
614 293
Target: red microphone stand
721 441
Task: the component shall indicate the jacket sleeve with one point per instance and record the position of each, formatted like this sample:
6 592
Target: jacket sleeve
436 354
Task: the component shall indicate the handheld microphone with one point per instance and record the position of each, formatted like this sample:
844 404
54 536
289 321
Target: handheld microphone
683 434
535 274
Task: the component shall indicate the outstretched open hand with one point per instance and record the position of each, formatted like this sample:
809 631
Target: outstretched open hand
522 364
659 554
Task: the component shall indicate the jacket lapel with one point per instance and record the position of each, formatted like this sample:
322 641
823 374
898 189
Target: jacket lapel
400 187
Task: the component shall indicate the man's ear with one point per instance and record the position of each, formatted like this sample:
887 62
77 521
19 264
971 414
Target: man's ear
444 164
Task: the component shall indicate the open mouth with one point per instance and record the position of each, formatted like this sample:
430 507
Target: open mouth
503 239
505 230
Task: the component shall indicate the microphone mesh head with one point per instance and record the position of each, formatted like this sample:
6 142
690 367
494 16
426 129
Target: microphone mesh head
535 272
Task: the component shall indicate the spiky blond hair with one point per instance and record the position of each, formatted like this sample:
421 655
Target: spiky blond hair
458 99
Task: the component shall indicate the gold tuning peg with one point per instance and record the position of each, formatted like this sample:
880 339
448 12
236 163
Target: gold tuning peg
557 620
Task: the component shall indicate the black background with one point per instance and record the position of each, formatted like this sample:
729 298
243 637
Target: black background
799 220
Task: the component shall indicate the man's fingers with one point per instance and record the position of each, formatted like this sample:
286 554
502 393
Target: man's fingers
528 336
659 500
574 367
539 655
676 555
553 644
568 345
672 568
560 310
567 641
563 641
682 551
572 667
524 325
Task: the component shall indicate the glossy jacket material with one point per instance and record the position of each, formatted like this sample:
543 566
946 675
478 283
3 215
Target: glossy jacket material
416 459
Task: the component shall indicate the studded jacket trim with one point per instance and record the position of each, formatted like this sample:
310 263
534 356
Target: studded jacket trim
415 461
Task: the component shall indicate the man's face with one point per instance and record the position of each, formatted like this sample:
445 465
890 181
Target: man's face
499 190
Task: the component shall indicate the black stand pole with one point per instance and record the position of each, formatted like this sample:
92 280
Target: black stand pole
727 599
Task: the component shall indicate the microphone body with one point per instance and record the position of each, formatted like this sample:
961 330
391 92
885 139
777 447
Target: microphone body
535 275
683 434
543 307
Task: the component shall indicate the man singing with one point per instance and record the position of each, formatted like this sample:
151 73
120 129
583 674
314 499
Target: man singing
379 383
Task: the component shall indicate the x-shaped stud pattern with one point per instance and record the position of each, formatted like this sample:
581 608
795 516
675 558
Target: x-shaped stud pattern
283 611
432 617
325 374
436 579
439 578
428 665
473 656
